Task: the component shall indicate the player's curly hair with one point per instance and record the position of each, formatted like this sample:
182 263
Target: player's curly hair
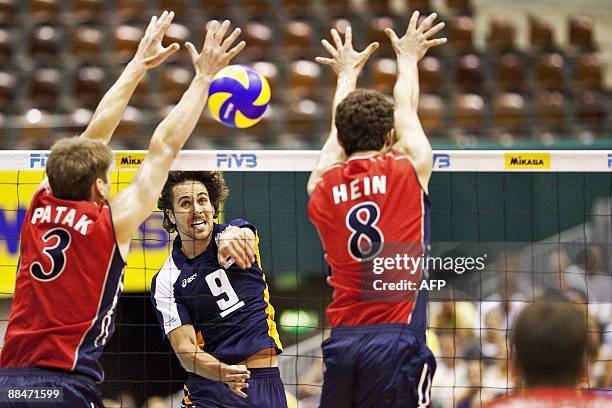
363 119
213 180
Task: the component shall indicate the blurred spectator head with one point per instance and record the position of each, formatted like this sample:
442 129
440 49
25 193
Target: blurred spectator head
542 356
589 259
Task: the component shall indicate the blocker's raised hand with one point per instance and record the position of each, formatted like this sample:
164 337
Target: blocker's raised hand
150 51
216 52
343 56
417 40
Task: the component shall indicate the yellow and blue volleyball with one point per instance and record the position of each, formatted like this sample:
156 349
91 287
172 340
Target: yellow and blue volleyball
238 96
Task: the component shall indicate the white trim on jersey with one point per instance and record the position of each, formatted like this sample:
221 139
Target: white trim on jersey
165 301
424 393
101 296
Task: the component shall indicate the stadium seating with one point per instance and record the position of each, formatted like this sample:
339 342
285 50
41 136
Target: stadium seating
549 72
511 73
383 74
45 88
460 34
89 86
180 34
469 74
299 39
469 112
550 111
60 57
126 38
6 44
541 35
87 11
44 11
376 32
501 36
588 72
259 37
510 112
8 11
45 42
174 82
8 89
430 76
88 43
431 112
580 34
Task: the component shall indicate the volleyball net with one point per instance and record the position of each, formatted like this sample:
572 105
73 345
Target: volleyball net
541 222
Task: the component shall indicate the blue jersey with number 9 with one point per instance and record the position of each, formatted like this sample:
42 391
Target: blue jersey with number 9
230 308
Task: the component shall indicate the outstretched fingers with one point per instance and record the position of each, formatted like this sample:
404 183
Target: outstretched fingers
230 40
436 42
222 31
413 21
324 61
426 24
370 49
211 30
434 30
391 34
193 53
348 36
336 37
234 51
330 48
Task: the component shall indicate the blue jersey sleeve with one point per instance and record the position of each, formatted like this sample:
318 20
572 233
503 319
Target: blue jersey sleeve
242 224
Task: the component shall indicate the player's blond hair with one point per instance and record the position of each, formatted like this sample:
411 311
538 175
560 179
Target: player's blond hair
75 164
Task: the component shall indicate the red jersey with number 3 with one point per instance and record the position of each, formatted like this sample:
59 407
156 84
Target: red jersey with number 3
69 277
369 199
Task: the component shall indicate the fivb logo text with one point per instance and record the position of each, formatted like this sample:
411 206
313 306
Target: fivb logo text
610 160
441 160
38 160
236 160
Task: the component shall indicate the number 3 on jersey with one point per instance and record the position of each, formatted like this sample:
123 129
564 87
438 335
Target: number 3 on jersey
366 240
56 251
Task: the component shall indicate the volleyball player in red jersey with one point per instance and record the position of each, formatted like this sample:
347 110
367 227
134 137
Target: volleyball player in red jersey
550 349
370 188
75 239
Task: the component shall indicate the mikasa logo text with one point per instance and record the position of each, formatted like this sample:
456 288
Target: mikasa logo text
527 160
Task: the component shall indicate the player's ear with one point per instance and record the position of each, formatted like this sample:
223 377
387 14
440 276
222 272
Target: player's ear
98 190
390 138
170 215
515 372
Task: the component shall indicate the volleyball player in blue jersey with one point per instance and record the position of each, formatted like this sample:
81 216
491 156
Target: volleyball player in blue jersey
212 300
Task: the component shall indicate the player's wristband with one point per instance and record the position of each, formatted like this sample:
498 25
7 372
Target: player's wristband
229 261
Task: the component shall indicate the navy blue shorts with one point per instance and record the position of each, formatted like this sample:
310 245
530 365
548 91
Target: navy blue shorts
78 391
265 391
376 366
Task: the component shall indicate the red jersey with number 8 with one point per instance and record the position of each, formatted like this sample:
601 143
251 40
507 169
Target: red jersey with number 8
68 281
359 207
